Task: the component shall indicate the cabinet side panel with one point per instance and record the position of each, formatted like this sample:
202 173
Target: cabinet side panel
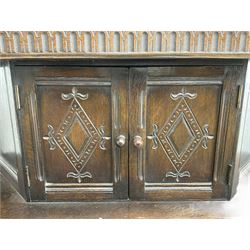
241 144
10 150
243 150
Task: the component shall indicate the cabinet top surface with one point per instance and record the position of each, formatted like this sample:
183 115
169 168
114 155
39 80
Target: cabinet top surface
124 44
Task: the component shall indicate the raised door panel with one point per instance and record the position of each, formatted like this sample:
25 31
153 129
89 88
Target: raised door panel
76 138
75 116
182 124
181 116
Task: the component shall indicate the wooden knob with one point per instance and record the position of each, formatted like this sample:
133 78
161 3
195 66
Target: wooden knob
120 140
138 142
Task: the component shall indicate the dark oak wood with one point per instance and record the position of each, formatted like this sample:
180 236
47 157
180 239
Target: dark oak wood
13 206
72 114
122 62
69 141
187 118
137 88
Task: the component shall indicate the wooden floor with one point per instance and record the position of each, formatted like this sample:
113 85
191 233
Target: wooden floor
13 206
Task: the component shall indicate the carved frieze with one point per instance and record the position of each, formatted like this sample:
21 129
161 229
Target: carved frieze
124 43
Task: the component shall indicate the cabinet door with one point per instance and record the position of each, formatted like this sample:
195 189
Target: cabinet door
74 127
179 119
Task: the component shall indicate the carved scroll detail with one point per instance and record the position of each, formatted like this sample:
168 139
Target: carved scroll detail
50 138
79 176
74 95
206 136
154 136
183 94
104 138
177 175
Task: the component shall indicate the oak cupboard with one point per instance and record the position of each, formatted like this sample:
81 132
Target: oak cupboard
139 130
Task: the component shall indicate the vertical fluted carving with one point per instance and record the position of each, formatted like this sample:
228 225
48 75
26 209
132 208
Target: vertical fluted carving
177 41
38 42
221 41
23 41
9 42
106 39
235 41
92 41
208 41
150 41
78 42
247 48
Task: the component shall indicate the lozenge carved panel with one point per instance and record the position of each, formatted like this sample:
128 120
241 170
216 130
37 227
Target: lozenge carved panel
180 135
77 137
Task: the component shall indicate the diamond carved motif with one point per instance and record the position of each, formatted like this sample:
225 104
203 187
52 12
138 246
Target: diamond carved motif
77 137
80 159
182 112
180 136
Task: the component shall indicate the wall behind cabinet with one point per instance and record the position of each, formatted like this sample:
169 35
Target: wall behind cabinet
244 140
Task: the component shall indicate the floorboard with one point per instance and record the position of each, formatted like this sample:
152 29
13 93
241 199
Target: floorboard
13 206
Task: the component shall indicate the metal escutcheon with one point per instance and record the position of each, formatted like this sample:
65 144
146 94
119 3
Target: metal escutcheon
138 142
120 140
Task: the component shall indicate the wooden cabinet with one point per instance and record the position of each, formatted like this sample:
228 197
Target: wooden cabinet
141 133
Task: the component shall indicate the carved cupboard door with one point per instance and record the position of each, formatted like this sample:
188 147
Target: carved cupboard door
75 131
178 117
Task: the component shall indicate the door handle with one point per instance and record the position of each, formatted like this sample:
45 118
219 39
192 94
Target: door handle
138 141
120 140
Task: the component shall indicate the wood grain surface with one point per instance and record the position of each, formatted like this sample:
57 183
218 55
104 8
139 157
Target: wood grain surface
184 115
12 206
